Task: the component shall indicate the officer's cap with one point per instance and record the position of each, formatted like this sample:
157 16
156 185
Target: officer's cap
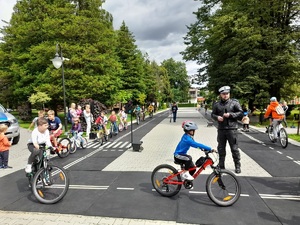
224 89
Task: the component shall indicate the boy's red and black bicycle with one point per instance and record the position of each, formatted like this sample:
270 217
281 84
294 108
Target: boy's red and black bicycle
222 185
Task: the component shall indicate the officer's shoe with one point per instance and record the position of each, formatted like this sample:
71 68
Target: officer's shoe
238 170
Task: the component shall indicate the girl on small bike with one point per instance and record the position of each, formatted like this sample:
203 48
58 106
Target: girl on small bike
123 117
76 127
187 141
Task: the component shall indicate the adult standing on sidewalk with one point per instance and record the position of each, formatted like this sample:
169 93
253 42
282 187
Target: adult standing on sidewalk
227 111
174 109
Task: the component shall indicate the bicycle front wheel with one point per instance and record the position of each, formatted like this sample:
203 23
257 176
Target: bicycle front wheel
64 147
283 137
270 133
121 127
73 147
157 178
223 188
50 185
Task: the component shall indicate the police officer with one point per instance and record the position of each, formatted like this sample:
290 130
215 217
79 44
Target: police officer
227 111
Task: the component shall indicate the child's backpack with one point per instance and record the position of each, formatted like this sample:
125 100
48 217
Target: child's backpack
279 110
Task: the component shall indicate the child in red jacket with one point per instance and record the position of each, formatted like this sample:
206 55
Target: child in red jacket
4 147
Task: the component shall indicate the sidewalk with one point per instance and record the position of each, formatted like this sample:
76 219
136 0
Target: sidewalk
159 145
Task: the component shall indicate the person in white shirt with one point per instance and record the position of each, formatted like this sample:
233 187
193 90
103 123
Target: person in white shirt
40 135
88 116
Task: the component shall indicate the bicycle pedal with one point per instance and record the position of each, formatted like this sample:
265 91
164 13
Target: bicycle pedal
188 184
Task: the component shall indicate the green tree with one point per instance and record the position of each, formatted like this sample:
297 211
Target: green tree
250 45
39 99
178 78
132 62
87 38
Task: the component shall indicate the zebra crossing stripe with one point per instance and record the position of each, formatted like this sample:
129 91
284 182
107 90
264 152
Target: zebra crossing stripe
116 145
119 145
123 145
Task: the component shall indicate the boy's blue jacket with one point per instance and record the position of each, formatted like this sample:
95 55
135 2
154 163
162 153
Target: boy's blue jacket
186 142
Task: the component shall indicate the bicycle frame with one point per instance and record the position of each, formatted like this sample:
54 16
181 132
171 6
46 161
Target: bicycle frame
208 162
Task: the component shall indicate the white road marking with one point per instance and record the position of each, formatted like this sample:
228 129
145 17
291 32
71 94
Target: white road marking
88 187
123 188
280 197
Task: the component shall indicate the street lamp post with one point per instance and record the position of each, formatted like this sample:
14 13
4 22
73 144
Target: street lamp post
57 63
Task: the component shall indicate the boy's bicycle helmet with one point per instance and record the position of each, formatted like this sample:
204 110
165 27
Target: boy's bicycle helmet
189 125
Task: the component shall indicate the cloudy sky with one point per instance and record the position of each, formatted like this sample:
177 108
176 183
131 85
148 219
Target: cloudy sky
157 25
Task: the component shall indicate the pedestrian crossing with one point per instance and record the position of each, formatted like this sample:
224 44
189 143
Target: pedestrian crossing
116 145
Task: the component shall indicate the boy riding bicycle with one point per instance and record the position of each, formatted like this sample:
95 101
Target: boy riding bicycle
39 136
187 141
55 127
101 121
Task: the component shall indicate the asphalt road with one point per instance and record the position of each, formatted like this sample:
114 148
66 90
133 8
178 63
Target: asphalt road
264 200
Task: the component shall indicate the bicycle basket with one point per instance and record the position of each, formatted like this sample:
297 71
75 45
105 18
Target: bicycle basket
200 161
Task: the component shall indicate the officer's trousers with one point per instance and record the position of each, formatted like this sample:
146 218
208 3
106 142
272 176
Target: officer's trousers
231 137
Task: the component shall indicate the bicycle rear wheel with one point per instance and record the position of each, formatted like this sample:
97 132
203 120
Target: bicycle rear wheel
157 178
83 142
64 147
50 185
223 188
283 137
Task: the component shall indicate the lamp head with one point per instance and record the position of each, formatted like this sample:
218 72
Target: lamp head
57 61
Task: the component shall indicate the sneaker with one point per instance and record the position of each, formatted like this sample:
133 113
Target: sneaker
7 167
187 176
28 168
238 170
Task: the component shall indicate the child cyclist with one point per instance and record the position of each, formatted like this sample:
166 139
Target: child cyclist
76 129
39 136
101 121
123 117
187 141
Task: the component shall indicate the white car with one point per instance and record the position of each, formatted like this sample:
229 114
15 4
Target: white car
12 123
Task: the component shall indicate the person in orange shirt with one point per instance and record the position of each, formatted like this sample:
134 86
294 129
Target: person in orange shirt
4 147
271 111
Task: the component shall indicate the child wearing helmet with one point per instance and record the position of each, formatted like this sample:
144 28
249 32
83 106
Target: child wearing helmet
187 141
246 121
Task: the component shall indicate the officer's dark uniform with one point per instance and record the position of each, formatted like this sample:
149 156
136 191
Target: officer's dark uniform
227 130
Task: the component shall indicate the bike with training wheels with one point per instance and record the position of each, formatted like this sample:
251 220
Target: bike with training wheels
49 183
101 134
63 147
112 130
123 125
282 135
222 186
77 141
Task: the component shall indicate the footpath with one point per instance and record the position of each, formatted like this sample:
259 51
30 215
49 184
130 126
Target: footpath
157 150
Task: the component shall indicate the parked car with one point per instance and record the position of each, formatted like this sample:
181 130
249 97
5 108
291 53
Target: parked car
13 130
